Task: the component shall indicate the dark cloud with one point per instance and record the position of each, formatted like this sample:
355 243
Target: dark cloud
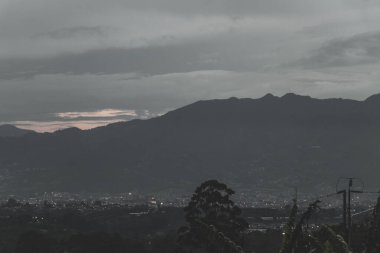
356 50
213 54
88 55
152 61
72 32
194 7
237 7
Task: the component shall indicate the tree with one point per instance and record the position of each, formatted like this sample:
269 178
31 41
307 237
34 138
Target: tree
294 230
373 244
211 209
12 202
289 227
326 240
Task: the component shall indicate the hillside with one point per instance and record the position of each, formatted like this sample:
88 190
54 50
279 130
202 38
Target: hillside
12 131
266 142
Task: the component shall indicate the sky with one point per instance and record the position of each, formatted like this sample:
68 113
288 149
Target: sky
88 63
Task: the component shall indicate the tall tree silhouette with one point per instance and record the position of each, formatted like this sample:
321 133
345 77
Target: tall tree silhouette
289 227
211 205
294 230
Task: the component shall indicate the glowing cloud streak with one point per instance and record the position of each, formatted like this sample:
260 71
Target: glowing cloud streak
105 113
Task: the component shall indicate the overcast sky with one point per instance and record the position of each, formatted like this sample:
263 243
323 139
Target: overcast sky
89 62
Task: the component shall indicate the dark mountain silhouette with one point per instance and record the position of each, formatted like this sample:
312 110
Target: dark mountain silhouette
266 142
12 131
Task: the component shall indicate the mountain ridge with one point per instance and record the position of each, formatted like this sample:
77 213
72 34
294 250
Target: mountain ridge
270 141
8 130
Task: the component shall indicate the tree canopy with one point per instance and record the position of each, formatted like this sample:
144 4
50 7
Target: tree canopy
211 205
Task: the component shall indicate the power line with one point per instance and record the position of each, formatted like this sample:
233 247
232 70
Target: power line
307 201
327 195
378 192
365 211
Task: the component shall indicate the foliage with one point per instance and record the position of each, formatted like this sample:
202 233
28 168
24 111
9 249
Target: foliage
217 241
373 244
326 241
26 228
211 205
289 227
296 233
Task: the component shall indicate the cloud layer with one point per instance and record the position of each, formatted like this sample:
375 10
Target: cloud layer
82 120
64 61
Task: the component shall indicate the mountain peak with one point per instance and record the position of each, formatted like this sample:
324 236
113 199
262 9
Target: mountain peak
8 130
294 96
316 138
373 98
269 96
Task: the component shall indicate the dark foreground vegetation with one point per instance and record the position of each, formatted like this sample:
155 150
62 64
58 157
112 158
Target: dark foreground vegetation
211 222
81 228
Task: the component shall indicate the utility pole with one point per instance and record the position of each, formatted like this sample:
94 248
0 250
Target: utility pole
347 217
349 211
344 214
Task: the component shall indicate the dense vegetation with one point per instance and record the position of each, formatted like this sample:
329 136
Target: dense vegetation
211 222
87 227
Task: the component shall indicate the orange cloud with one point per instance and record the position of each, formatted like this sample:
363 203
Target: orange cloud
105 113
51 126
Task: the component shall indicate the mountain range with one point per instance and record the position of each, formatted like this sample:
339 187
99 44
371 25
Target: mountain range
12 131
272 141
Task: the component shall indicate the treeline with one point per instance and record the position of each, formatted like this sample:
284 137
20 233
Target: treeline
210 223
215 225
